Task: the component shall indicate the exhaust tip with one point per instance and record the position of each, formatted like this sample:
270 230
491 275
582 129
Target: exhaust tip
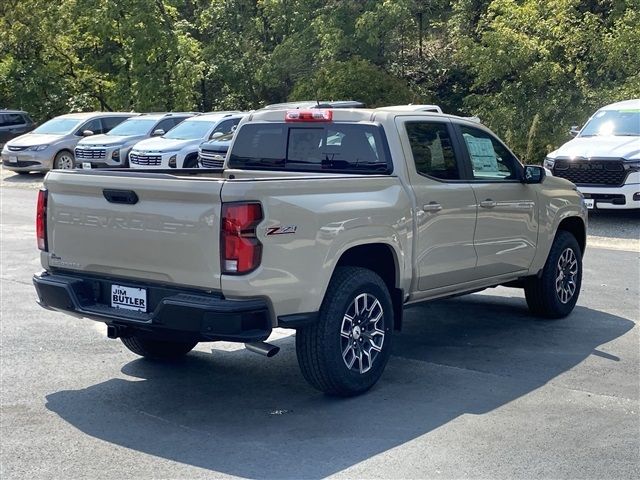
262 348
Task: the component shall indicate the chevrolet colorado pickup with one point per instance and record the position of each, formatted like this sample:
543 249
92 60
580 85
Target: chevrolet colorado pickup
325 221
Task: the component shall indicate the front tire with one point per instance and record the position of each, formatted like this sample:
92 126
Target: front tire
345 352
157 349
191 161
64 161
554 294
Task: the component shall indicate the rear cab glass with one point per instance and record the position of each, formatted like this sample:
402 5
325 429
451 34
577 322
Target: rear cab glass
334 147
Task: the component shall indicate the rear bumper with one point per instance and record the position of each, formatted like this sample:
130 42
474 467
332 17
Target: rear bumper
173 313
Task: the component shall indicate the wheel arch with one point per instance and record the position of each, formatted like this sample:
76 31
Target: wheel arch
191 157
382 259
576 227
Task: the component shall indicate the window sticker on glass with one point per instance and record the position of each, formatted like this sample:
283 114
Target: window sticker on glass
483 156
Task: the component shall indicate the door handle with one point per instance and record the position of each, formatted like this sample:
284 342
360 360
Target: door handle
432 207
488 203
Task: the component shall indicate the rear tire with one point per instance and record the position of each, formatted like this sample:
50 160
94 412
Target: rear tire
554 294
156 349
345 352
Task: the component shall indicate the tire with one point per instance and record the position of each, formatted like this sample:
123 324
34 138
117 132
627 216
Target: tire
320 347
554 294
156 349
64 161
191 161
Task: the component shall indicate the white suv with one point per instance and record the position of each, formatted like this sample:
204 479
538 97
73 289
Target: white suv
112 148
603 159
178 148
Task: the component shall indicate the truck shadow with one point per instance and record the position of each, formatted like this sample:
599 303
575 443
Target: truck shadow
237 413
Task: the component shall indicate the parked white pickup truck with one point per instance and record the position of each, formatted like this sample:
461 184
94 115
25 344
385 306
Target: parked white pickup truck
603 159
326 221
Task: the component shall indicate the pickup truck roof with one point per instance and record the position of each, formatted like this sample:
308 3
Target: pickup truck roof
356 115
414 108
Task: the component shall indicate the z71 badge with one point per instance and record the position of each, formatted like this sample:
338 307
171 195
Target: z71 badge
282 230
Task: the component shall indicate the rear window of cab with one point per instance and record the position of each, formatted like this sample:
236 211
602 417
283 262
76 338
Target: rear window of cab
313 147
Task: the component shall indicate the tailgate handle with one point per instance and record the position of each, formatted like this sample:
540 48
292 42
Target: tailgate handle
128 197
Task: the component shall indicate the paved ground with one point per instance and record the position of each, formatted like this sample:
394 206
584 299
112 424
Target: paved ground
476 388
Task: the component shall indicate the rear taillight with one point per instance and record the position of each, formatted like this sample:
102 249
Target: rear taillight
240 249
41 220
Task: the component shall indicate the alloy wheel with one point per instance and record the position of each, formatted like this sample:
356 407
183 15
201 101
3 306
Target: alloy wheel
64 162
566 274
362 333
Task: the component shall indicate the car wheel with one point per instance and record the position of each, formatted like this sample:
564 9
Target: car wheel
64 161
554 293
191 161
157 349
345 352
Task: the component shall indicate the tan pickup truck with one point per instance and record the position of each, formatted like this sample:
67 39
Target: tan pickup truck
325 221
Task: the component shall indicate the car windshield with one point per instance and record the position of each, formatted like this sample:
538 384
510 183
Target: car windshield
137 126
189 130
613 122
58 126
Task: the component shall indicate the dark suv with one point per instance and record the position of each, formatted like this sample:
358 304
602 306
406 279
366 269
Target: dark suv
14 123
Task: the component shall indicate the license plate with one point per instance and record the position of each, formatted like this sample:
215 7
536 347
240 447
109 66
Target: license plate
86 165
12 159
589 202
129 298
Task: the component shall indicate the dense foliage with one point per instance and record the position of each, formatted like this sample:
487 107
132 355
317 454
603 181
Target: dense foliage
528 68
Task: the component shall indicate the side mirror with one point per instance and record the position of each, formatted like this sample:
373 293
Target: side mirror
574 131
158 132
87 133
216 135
533 174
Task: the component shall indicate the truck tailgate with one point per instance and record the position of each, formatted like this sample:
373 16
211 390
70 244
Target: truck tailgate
171 234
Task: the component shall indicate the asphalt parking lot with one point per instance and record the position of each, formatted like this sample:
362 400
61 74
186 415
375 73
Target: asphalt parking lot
475 388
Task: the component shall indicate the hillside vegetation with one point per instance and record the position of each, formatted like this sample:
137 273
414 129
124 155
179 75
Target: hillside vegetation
528 68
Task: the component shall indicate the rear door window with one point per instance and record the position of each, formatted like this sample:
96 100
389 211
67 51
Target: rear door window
333 147
432 150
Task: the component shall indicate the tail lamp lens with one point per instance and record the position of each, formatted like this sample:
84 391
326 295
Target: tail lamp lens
240 249
41 220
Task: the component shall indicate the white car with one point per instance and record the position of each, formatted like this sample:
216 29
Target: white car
603 159
178 148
